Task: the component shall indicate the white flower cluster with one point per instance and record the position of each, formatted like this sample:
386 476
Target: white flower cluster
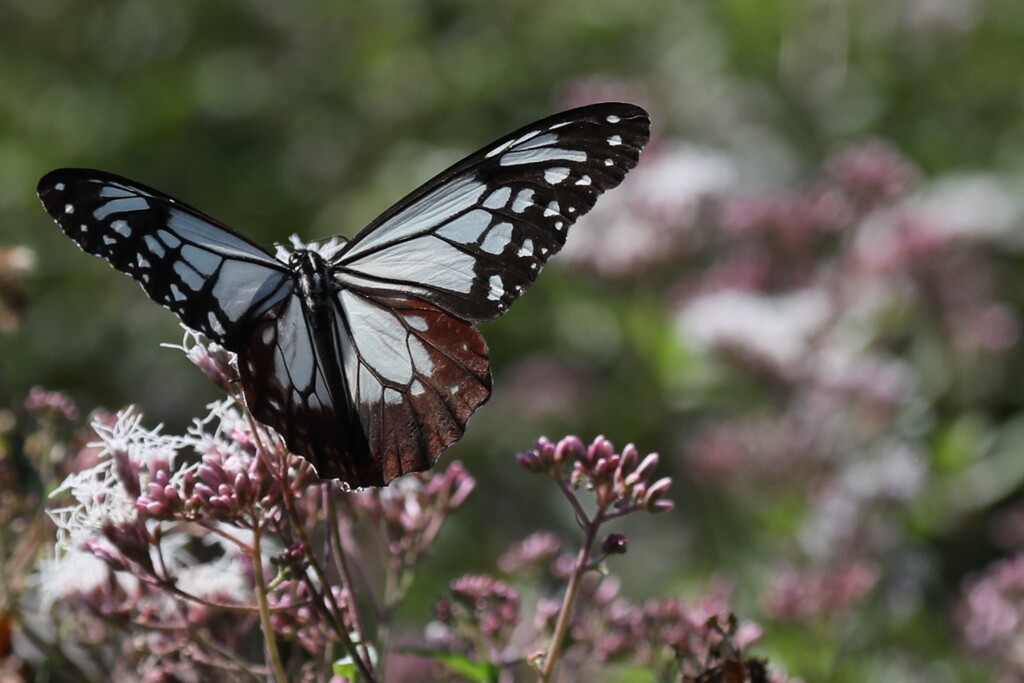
98 496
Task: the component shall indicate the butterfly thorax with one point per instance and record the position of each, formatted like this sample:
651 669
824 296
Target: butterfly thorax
314 280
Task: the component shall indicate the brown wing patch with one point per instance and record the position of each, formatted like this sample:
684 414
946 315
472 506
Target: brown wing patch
416 374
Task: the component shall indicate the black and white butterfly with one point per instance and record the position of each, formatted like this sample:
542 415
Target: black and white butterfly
366 360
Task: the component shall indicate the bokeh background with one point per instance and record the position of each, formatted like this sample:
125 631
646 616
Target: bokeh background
806 298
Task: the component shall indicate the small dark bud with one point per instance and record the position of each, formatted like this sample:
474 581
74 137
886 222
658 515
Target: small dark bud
615 544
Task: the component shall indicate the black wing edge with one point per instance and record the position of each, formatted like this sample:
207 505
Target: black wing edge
47 190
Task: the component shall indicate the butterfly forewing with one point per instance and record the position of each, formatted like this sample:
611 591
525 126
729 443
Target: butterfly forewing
472 239
217 281
367 364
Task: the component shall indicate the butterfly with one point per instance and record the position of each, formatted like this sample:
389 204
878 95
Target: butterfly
365 358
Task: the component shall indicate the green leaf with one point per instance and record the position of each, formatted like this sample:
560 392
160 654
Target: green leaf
481 672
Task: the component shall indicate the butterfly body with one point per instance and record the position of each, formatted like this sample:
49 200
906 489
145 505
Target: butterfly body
364 357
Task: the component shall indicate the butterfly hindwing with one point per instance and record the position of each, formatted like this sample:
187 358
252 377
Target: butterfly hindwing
217 281
472 239
415 374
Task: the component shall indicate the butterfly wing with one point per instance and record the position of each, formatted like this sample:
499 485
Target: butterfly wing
215 280
367 407
472 239
416 375
292 379
392 379
458 250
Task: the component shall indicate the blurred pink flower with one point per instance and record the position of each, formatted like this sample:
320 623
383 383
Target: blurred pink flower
775 330
872 174
827 593
647 222
991 614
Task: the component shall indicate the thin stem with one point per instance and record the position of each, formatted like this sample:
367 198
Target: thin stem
565 612
334 614
264 608
581 515
226 606
243 547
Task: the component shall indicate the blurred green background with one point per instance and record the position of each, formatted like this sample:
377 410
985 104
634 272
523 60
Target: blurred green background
312 118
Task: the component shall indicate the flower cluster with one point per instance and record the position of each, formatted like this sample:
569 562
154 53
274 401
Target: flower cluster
479 609
412 510
209 542
622 481
991 616
818 594
813 296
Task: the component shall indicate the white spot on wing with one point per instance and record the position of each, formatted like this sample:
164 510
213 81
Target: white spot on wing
126 205
497 288
612 118
522 201
466 229
188 275
429 261
59 187
542 141
526 136
154 246
422 216
497 238
615 140
203 261
69 209
527 248
421 359
556 175
542 155
380 338
370 389
552 210
417 323
167 238
584 180
417 388
499 149
121 228
215 325
498 198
